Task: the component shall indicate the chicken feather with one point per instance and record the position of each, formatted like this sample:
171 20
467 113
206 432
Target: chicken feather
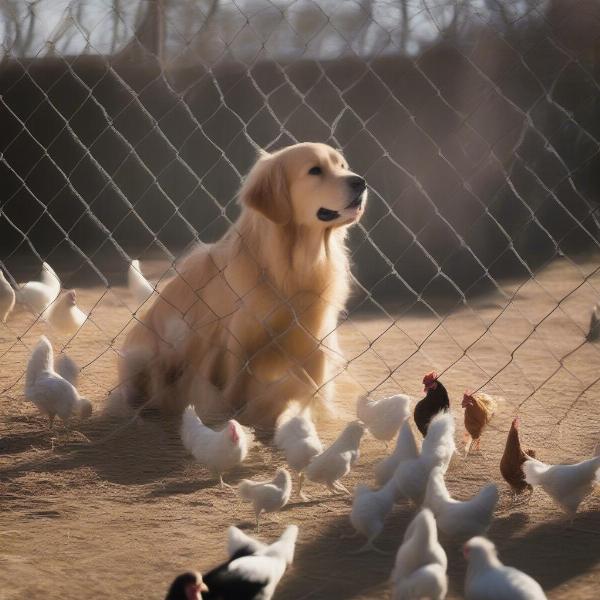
460 519
219 451
51 393
567 485
384 417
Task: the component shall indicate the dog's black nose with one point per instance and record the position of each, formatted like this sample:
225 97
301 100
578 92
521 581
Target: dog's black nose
357 184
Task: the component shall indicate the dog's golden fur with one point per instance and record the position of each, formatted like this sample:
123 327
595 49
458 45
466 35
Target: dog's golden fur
242 327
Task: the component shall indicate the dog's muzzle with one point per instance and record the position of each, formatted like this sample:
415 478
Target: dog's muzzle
357 187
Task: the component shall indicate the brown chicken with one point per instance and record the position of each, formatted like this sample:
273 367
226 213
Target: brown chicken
511 465
479 409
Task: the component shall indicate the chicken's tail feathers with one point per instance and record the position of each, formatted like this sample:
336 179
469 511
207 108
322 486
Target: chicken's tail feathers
284 547
41 359
49 277
190 425
239 543
534 471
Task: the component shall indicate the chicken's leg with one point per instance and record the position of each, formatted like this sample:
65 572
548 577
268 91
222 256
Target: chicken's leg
223 484
340 487
303 496
369 547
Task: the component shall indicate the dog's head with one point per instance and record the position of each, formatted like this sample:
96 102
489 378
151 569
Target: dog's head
306 184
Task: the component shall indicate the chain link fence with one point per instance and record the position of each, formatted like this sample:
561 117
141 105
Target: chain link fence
128 126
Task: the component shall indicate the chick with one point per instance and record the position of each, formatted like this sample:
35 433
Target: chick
267 496
435 401
52 394
298 439
37 296
7 298
384 417
460 519
567 485
187 586
217 450
511 464
479 409
369 511
406 449
488 579
65 315
139 287
337 460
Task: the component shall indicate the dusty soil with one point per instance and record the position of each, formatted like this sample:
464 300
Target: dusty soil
115 510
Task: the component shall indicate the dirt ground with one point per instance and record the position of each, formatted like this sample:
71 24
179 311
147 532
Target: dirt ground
119 515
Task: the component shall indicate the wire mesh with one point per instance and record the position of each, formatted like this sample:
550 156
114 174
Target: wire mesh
128 128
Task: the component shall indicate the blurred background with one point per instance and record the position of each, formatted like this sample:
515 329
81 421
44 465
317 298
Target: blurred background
127 126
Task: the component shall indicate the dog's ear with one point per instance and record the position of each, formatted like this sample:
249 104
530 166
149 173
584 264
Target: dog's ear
266 190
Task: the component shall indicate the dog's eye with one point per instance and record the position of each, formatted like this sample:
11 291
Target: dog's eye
315 171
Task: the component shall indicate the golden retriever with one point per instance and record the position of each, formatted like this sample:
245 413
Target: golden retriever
248 323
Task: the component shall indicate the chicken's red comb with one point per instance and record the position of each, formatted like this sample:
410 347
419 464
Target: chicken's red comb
430 378
235 438
467 397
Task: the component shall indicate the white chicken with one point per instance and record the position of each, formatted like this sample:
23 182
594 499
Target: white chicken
429 582
52 394
369 511
253 571
460 519
267 496
438 447
406 449
66 367
7 298
420 547
567 485
65 315
384 417
336 461
37 296
488 579
139 286
219 451
298 439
